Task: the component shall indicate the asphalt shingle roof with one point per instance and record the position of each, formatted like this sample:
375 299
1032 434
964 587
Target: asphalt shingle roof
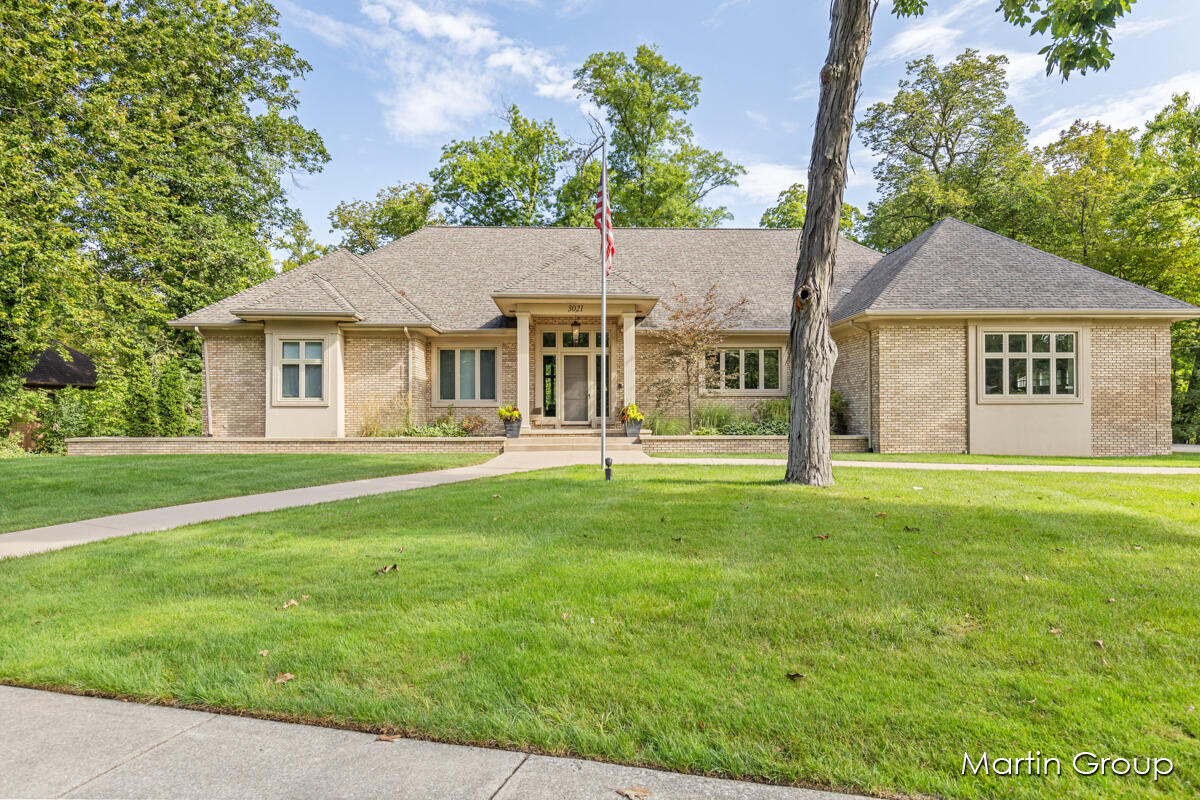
446 276
956 266
52 371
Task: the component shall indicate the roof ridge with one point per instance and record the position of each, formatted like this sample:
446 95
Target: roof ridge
329 289
397 295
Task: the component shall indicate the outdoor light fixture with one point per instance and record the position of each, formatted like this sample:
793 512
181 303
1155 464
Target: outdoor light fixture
575 332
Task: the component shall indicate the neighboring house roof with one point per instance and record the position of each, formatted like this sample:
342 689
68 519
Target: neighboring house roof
449 277
52 371
955 266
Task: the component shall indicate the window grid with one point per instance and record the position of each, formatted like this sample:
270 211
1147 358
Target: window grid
746 369
1030 364
301 369
467 375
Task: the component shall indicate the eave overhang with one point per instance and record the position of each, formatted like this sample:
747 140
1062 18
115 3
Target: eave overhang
510 303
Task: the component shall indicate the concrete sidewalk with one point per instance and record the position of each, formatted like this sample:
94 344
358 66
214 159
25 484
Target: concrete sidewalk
57 745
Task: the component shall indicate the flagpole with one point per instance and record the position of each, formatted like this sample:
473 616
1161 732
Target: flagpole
604 301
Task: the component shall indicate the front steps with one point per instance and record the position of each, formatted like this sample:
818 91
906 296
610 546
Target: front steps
570 440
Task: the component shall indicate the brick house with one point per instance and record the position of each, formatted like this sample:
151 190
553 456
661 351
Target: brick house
960 341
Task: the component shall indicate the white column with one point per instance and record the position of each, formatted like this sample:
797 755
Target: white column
523 367
627 323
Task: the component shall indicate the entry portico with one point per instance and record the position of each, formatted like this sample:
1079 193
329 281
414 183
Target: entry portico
559 344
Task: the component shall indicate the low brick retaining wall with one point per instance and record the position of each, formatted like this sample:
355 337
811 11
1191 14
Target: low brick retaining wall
717 445
196 445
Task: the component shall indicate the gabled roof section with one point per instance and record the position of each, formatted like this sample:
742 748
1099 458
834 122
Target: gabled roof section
339 283
52 371
573 271
955 266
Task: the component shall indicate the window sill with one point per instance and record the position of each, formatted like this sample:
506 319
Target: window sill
466 403
992 400
743 393
281 402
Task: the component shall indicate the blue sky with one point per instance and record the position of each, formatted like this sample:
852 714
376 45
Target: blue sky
393 80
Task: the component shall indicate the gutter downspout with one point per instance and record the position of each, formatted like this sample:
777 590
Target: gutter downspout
408 371
870 420
204 378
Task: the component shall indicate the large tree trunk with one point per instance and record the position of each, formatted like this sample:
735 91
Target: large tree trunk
813 351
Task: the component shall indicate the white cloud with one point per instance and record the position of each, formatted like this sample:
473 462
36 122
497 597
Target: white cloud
1128 110
758 119
1141 27
715 19
444 64
939 34
763 181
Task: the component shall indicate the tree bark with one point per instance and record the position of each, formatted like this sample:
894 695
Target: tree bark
812 349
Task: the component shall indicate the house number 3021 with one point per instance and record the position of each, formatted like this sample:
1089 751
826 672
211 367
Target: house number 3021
574 307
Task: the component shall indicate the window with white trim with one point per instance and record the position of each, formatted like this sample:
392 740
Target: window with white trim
467 375
744 369
302 369
1025 364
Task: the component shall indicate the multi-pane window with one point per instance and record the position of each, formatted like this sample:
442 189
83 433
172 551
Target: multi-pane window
745 369
1038 364
466 375
301 366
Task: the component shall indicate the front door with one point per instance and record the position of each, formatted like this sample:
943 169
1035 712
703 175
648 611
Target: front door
575 388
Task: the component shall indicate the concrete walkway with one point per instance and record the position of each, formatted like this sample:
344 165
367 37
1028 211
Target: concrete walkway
56 537
1113 469
67 534
57 745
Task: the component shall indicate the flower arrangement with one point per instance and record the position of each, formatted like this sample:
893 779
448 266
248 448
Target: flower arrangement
509 413
630 413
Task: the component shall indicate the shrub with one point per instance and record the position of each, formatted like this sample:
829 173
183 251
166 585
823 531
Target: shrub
662 426
837 412
473 425
715 415
748 428
440 428
140 417
706 432
172 421
68 415
775 409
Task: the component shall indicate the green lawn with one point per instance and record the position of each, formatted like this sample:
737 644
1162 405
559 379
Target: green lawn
1173 460
50 489
655 619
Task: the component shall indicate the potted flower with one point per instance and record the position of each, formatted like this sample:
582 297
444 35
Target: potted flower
510 415
633 420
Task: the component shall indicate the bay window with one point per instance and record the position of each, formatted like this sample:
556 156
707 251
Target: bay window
1034 364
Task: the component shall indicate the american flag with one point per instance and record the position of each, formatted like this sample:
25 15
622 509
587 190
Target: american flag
603 221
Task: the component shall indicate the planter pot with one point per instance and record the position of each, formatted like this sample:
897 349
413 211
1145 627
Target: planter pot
512 429
633 429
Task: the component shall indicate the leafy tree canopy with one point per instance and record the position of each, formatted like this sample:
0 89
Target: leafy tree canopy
505 178
658 175
396 211
788 212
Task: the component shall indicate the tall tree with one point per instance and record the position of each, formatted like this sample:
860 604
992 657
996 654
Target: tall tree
1080 32
949 143
298 243
659 176
505 178
143 145
788 212
396 211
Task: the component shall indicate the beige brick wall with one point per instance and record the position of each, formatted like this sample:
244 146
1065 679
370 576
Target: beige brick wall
235 368
376 380
659 387
922 388
717 445
1131 388
118 445
850 377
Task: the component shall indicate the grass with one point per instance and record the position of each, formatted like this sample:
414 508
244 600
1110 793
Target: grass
1173 460
50 489
653 620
